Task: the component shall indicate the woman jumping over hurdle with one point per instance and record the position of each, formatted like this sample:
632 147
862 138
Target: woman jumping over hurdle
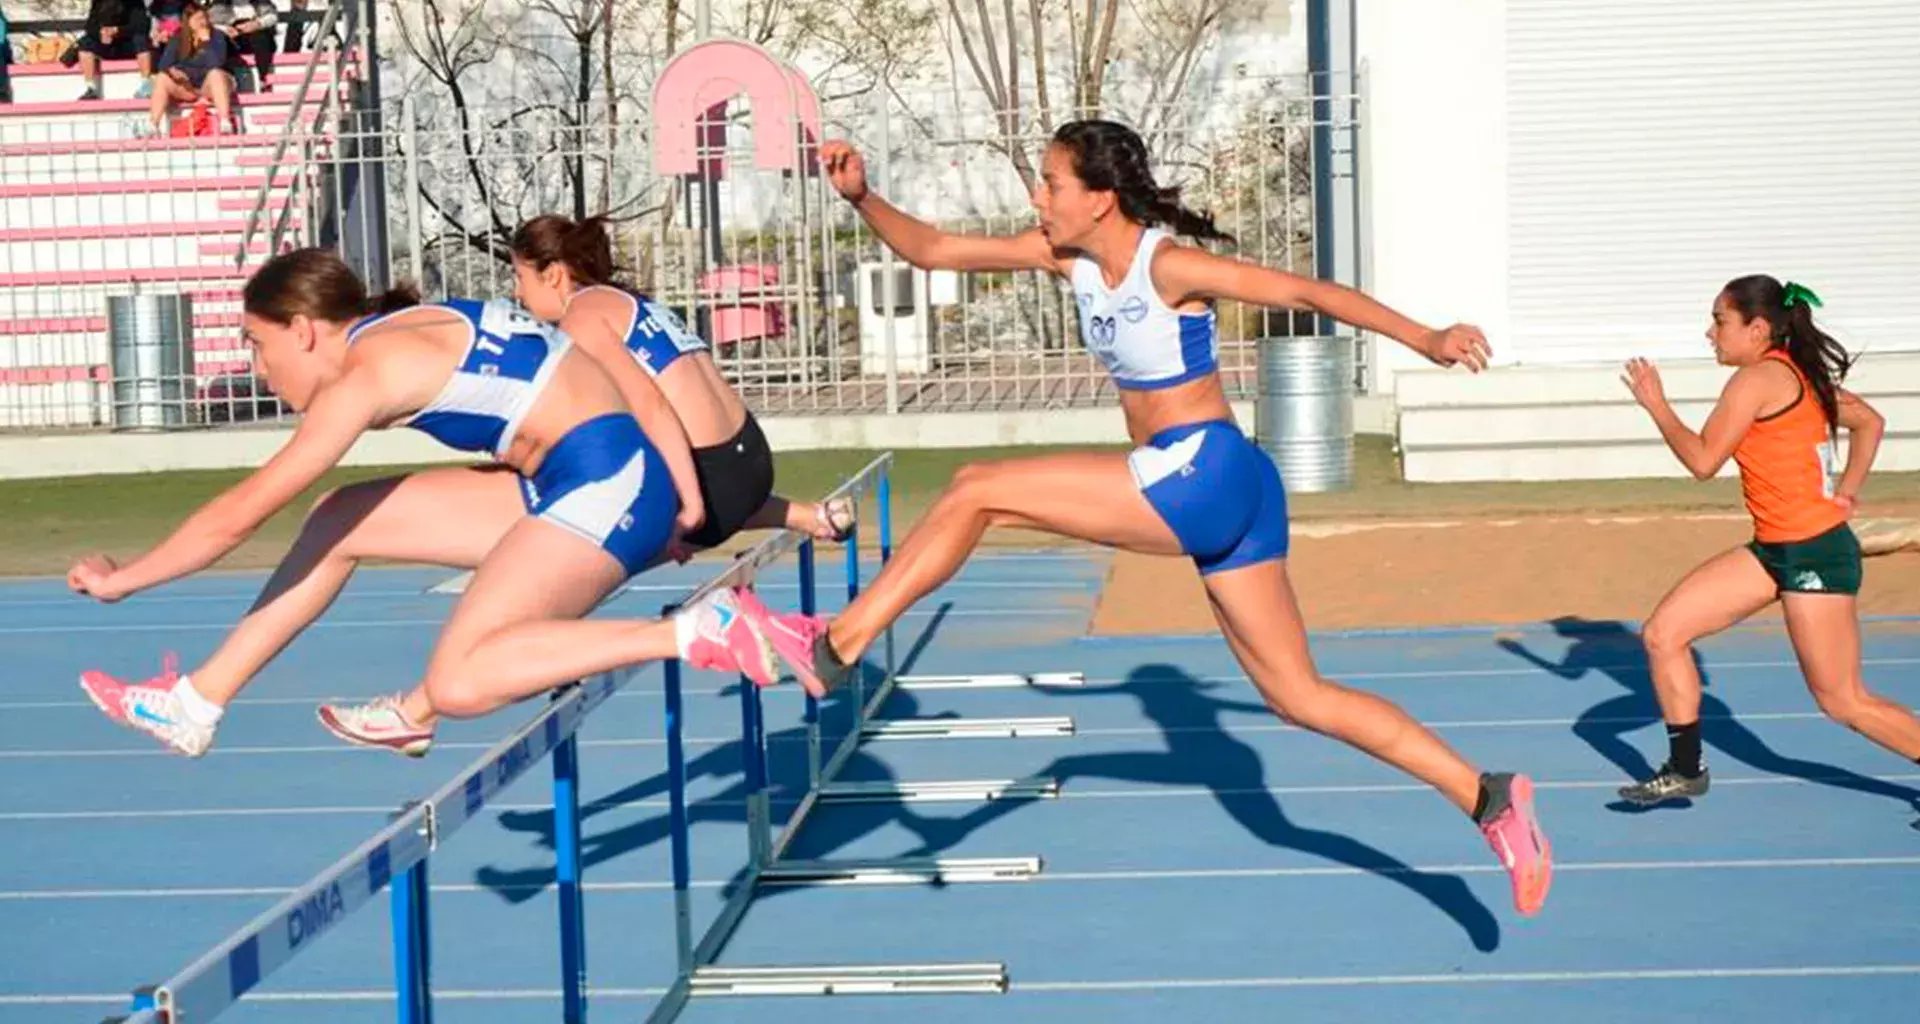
1777 418
580 500
564 274
1195 485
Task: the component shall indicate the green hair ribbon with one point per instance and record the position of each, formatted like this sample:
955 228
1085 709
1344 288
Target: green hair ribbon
1798 295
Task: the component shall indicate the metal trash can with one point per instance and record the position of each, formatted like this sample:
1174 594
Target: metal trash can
1303 416
150 354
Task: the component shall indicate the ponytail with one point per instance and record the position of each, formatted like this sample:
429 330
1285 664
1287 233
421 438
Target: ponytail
1788 310
585 248
1163 207
401 296
1108 156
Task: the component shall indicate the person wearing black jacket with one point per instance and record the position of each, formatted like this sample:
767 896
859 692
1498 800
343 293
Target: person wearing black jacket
115 30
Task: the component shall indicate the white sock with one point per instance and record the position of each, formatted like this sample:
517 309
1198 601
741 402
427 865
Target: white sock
199 710
686 626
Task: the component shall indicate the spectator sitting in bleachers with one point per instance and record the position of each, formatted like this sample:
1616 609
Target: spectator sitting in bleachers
116 30
193 66
249 24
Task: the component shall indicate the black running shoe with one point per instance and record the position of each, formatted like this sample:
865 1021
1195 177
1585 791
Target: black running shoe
1667 784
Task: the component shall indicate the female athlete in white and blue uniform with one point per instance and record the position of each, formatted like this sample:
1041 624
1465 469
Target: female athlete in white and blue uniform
1195 485
579 501
563 273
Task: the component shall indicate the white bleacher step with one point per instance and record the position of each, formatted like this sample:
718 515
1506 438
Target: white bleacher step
901 871
967 728
993 681
947 790
849 979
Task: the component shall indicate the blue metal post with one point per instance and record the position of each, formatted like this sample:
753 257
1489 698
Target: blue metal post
566 849
809 605
677 813
853 591
883 499
753 757
411 963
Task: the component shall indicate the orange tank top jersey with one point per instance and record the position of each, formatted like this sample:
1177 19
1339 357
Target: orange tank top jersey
1786 469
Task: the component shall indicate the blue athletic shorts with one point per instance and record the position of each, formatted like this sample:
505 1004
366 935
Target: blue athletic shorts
1218 491
606 482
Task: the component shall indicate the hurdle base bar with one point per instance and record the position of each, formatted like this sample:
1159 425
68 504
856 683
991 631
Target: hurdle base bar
1001 681
151 1004
900 871
860 979
967 728
969 790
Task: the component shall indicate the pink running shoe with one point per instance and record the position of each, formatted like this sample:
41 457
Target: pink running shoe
717 633
378 723
1514 832
794 636
150 707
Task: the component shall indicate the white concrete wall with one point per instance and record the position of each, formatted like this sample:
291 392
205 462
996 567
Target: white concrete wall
1434 136
1579 422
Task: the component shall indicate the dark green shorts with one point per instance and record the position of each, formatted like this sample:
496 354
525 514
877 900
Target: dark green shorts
1826 564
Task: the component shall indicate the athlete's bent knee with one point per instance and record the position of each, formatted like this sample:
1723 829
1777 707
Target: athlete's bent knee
1847 707
1663 640
454 698
1306 703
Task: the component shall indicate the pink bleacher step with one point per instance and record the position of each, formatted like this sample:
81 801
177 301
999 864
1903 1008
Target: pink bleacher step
124 66
225 183
179 229
72 107
86 147
244 204
132 275
72 374
277 119
322 153
98 325
257 247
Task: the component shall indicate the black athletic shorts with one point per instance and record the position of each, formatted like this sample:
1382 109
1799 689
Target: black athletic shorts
736 479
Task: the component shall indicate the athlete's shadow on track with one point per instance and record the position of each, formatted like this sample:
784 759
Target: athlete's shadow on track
1611 648
1200 753
786 770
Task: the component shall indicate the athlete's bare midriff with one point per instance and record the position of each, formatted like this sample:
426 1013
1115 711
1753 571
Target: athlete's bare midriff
1196 401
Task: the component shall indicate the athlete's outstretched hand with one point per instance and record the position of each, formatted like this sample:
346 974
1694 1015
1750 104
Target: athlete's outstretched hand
1643 379
846 169
1459 345
93 576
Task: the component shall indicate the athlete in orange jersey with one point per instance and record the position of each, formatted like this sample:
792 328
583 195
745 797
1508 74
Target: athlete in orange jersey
1777 418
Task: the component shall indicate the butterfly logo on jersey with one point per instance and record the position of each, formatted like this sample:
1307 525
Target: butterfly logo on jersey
1101 330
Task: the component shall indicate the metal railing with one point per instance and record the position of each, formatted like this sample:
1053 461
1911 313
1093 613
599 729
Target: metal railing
808 313
298 130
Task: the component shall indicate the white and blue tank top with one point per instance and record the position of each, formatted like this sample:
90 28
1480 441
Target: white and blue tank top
655 335
1143 343
509 360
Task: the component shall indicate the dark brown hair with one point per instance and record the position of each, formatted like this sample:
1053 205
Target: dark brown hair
583 247
317 284
1111 157
1822 359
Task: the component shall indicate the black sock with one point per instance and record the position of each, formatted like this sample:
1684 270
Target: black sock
1493 796
1684 742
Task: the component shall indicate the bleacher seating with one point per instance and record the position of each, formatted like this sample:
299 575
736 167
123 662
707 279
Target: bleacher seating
90 206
